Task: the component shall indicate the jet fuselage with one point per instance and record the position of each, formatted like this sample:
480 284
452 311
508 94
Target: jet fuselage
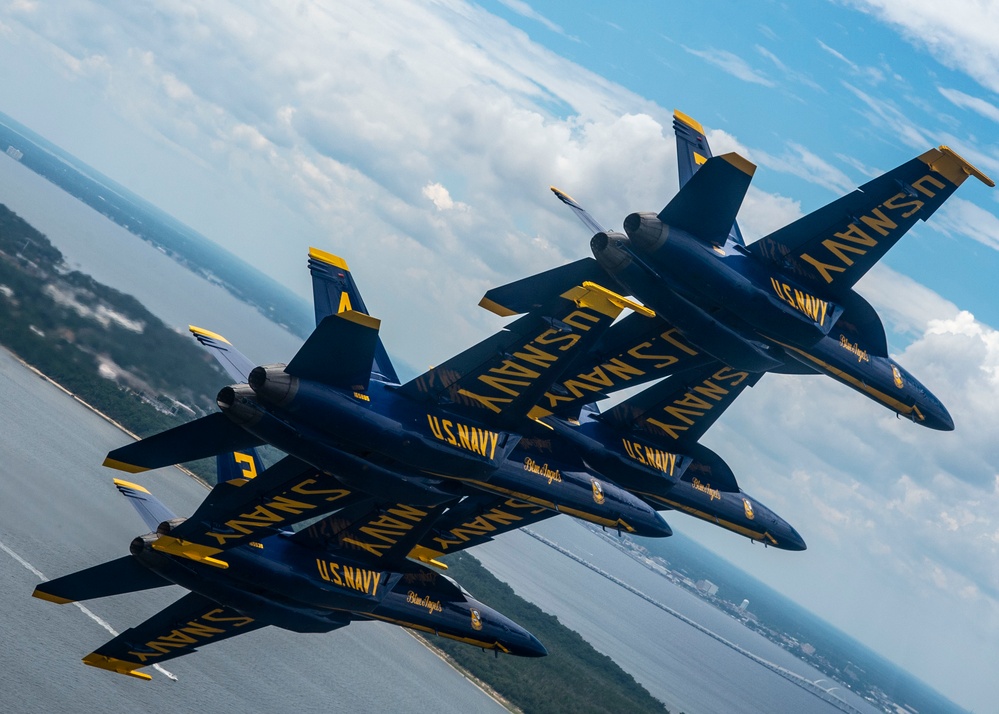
380 443
727 303
281 583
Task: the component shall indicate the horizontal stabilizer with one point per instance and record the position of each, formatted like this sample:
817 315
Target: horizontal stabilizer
832 248
531 293
116 577
151 509
334 291
708 470
240 510
692 152
339 352
676 412
236 365
190 623
707 205
199 439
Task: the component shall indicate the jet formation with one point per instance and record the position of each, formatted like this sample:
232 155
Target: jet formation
381 479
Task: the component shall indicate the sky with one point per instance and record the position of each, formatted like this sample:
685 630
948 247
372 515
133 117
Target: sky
418 141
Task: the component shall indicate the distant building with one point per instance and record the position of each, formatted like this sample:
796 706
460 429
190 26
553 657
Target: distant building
807 649
706 587
14 153
743 606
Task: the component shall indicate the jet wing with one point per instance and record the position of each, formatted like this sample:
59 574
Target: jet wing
379 534
707 471
191 622
676 412
474 521
833 247
634 351
242 510
334 291
500 380
692 151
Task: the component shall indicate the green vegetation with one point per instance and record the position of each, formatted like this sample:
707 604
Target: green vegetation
574 677
98 343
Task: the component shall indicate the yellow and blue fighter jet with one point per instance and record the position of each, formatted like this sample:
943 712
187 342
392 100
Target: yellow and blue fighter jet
785 303
350 566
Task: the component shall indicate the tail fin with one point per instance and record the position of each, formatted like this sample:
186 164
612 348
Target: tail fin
116 577
334 291
707 204
339 352
245 464
692 151
236 365
151 509
532 292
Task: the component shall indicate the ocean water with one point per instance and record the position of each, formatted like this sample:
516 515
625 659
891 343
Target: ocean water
686 669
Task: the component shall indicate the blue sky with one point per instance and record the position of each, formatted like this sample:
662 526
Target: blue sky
418 141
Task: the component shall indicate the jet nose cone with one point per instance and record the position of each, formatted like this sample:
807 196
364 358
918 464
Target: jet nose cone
533 648
660 528
942 421
793 541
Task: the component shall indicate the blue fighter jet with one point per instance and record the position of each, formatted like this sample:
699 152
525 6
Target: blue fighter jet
785 303
334 572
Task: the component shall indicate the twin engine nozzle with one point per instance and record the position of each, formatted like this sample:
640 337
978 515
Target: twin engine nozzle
613 250
269 382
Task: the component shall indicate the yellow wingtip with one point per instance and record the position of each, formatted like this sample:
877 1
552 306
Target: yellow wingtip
967 167
207 333
495 308
561 194
113 664
121 483
324 257
49 597
122 466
